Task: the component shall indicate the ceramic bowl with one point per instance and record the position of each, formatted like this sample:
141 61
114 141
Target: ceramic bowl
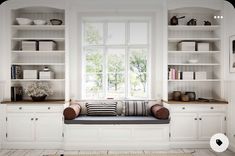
24 21
39 22
56 22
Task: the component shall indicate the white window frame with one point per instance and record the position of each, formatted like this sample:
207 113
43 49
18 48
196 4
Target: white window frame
126 46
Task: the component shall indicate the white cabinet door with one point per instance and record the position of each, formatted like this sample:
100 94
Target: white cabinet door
49 127
20 127
184 126
210 124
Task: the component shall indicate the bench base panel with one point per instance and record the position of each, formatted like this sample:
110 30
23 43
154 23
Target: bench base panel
116 137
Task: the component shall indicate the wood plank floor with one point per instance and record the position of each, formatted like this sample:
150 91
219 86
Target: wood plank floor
195 152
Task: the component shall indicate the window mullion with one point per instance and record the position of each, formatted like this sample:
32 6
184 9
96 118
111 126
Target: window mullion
127 61
105 61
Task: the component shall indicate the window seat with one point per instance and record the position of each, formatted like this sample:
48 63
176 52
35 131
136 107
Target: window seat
116 120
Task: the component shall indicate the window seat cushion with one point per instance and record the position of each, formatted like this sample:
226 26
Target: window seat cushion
116 120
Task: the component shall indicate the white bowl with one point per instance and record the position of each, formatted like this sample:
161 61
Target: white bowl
192 61
39 22
24 21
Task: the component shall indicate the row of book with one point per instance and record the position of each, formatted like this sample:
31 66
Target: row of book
16 93
174 74
16 72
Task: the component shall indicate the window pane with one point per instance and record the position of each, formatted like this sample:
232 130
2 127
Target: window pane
116 33
139 33
94 60
116 60
94 86
93 33
138 70
116 86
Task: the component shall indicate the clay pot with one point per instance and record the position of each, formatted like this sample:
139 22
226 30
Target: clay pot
192 96
176 95
185 98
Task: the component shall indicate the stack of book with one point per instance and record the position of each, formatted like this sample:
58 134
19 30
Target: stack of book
174 74
16 72
16 93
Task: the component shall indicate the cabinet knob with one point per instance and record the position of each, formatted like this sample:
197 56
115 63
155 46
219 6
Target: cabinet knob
20 108
212 107
49 108
32 119
36 119
200 118
195 118
183 108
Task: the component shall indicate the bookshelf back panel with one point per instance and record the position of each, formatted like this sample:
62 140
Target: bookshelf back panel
202 89
184 58
42 58
57 87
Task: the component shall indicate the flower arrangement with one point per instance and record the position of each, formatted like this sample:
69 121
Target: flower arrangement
39 89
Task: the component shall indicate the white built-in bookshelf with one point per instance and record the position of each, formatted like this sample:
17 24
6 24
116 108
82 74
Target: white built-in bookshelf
35 59
208 61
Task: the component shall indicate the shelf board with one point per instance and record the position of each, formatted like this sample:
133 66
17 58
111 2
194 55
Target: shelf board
193 52
38 52
38 27
197 27
29 80
205 80
31 38
192 39
39 64
193 64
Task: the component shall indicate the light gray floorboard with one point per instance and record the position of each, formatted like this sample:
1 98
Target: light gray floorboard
125 152
195 152
6 152
34 153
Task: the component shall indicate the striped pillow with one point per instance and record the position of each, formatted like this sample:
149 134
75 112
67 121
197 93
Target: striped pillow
136 108
98 109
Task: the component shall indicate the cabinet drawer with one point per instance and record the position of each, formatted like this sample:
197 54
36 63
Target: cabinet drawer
198 108
24 108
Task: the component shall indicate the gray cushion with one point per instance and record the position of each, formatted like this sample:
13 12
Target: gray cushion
116 120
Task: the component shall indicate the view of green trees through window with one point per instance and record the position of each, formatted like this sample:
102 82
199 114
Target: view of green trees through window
115 67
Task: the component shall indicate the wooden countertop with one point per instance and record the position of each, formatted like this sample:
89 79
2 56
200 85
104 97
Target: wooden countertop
219 102
33 102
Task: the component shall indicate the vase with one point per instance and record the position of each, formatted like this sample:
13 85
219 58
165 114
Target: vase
39 98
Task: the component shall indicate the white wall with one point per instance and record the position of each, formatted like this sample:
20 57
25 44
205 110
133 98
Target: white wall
229 27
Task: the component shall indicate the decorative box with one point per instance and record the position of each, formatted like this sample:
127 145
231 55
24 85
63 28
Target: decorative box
187 46
29 45
188 75
203 46
47 45
200 75
46 75
30 74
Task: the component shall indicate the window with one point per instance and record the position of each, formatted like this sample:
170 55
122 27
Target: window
115 60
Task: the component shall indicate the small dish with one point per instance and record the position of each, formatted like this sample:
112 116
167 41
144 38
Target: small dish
192 61
24 21
39 22
56 21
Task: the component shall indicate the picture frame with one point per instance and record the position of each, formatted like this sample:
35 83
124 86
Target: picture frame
232 54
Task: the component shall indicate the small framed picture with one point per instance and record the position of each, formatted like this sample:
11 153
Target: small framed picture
232 54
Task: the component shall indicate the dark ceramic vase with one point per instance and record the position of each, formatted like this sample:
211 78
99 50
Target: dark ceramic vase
191 95
39 98
176 95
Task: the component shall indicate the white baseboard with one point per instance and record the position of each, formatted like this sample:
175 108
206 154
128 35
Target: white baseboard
189 144
32 145
232 147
